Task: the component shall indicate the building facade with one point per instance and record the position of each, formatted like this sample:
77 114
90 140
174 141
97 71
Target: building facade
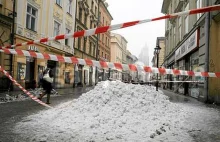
86 47
104 38
118 44
6 22
38 19
104 51
188 38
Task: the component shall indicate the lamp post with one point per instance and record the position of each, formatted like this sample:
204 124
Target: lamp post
157 52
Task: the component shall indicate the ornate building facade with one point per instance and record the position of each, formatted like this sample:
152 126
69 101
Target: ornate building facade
38 19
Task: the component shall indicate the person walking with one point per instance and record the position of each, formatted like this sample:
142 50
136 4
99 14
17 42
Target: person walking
47 84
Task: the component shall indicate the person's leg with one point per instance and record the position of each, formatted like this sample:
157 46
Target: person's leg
41 95
49 89
48 98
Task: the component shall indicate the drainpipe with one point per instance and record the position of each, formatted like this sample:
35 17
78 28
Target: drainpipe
207 36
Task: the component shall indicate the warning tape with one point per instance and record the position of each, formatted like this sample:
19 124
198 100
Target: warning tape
24 90
115 27
102 64
178 81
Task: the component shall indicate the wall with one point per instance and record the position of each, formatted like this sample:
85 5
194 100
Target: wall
214 66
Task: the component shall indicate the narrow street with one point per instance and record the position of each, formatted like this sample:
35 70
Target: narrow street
210 124
208 130
13 112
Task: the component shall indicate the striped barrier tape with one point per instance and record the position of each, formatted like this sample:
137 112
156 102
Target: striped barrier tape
102 64
178 81
24 90
115 27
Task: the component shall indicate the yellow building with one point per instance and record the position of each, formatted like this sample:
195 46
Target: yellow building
38 19
6 22
118 45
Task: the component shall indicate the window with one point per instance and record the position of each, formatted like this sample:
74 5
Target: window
102 54
67 40
85 19
31 18
90 24
187 20
21 71
90 48
95 11
103 39
103 21
94 50
67 77
105 56
92 5
180 28
84 44
80 14
69 7
79 43
199 5
58 2
56 28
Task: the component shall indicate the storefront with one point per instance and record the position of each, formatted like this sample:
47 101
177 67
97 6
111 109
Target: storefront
169 77
186 57
27 69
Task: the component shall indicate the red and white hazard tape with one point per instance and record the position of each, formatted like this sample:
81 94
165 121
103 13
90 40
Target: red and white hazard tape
102 64
115 27
178 81
24 90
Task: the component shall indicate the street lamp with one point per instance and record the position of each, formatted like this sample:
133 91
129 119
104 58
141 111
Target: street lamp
157 52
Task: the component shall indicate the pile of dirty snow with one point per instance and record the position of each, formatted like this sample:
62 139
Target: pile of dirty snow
112 111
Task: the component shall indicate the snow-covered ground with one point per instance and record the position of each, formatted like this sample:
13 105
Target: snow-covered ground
114 111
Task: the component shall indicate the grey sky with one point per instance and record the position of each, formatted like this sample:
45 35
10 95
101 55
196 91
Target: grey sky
137 36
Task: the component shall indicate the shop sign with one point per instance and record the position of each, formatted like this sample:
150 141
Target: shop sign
33 48
187 46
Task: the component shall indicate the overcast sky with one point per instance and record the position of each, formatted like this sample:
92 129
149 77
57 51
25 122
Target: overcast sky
137 36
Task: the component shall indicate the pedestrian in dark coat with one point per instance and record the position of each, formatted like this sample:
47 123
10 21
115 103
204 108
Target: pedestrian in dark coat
47 84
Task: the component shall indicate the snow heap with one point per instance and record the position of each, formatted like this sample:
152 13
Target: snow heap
112 111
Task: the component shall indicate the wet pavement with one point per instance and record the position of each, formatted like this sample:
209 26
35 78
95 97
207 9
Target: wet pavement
207 122
13 112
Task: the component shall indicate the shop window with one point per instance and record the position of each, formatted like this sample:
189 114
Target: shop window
21 71
67 77
31 18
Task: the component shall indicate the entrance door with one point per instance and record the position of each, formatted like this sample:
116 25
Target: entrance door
30 82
